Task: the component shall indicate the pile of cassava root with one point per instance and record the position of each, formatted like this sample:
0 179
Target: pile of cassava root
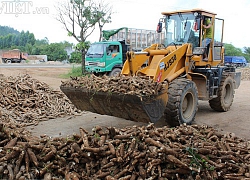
137 85
108 153
184 152
245 74
29 101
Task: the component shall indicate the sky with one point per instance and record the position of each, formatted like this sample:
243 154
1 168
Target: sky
39 17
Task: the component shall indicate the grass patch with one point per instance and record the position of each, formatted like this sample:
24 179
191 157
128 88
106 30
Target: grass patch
76 71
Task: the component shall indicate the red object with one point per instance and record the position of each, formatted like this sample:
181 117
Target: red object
159 27
159 77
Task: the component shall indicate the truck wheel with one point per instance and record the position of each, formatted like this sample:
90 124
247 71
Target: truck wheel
8 61
182 102
115 72
225 95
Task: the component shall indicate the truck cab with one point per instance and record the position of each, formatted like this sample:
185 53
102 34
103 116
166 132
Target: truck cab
106 57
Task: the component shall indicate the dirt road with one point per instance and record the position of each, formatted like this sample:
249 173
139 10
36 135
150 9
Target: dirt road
235 121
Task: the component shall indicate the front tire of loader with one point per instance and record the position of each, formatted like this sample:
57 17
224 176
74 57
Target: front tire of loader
225 95
182 102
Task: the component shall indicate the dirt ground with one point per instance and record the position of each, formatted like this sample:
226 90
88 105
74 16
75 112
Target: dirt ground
235 121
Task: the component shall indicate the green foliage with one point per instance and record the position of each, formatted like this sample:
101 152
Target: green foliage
40 46
10 37
81 46
76 57
76 71
230 50
29 48
5 30
79 17
197 161
247 53
40 42
21 48
26 42
55 52
66 44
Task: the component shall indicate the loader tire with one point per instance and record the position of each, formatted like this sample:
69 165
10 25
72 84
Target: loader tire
223 102
182 102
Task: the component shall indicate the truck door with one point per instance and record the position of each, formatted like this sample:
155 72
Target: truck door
114 57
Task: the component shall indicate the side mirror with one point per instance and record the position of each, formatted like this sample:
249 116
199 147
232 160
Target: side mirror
159 27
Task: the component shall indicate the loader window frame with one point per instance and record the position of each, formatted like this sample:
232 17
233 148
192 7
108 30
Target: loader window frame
177 32
218 38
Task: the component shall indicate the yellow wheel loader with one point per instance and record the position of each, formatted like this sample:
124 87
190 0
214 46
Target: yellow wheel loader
189 62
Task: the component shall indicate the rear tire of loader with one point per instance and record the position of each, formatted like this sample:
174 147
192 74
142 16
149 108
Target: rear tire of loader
182 102
225 95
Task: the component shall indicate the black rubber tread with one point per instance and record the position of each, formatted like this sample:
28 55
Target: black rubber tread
223 102
115 71
177 91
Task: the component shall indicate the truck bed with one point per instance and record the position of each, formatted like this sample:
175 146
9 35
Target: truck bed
139 38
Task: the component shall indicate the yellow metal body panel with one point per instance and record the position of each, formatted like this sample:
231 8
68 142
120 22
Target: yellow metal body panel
164 64
170 62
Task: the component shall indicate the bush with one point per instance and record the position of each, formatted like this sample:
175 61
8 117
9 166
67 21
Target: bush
75 57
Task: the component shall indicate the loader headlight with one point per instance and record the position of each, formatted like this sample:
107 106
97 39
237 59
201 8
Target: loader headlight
101 64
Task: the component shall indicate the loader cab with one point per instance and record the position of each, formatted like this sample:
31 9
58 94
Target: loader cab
187 27
181 28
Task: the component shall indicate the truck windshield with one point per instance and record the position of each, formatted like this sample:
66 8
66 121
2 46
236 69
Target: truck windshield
180 28
96 50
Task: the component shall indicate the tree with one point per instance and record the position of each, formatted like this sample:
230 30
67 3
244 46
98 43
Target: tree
79 18
247 53
5 30
22 38
43 41
31 39
29 48
106 18
230 50
55 52
75 57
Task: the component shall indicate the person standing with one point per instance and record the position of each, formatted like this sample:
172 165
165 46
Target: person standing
207 34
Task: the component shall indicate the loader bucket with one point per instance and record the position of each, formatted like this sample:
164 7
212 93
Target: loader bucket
126 106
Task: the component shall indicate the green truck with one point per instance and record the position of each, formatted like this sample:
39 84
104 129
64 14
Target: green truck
107 57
